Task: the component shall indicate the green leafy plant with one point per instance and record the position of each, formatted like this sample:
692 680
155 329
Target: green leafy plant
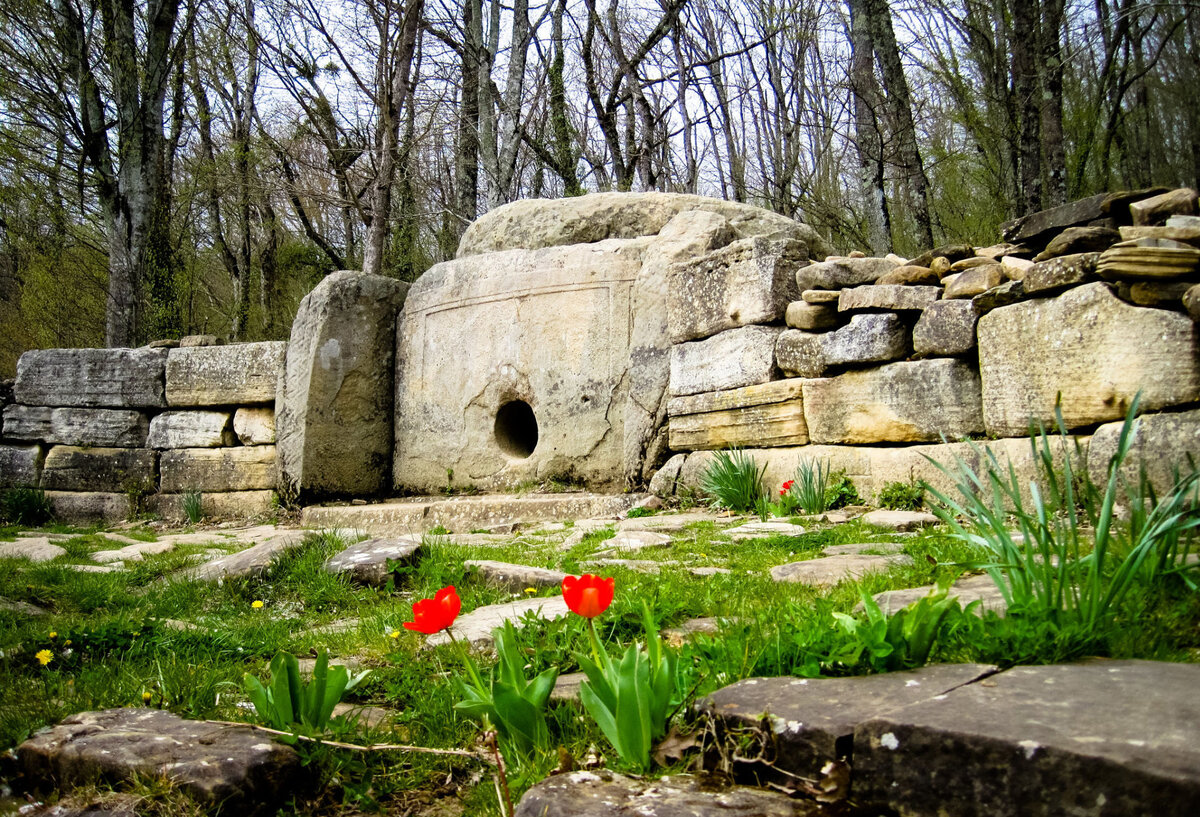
903 640
632 700
193 507
733 481
811 486
514 704
840 491
638 513
290 704
25 506
903 496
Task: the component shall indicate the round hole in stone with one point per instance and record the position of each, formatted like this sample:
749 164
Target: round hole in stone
516 429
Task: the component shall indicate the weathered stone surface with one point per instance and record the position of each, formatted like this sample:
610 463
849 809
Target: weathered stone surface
191 429
132 553
1161 443
21 466
1041 741
1158 294
1036 229
975 281
514 577
76 507
256 426
946 328
973 261
1079 239
832 570
217 505
761 530
27 423
1116 204
35 549
869 338
748 282
466 513
706 625
811 317
812 720
967 590
915 401
894 297
188 341
911 275
1090 347
119 378
1187 235
738 357
566 686
1191 302
1016 268
628 540
21 608
636 565
253 561
863 549
71 468
838 273
224 375
244 468
770 424
1007 294
606 794
372 561
663 481
476 627
1048 277
117 428
1157 209
532 224
242 770
1153 258
334 410
820 296
899 520
776 391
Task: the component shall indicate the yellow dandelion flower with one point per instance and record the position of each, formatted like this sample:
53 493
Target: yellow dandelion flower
67 643
530 589
44 657
146 696
53 635
256 604
394 634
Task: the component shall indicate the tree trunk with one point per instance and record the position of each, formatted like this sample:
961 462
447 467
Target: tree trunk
1052 103
1028 98
864 88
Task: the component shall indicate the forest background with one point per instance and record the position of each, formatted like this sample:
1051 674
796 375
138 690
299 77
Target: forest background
171 167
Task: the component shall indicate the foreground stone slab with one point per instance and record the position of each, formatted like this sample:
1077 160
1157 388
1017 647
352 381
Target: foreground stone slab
90 506
35 549
21 465
514 577
466 513
967 590
1103 737
829 571
747 282
243 770
243 468
607 794
917 401
115 428
476 626
730 360
96 378
72 468
335 410
812 721
371 562
191 429
1091 347
253 561
224 375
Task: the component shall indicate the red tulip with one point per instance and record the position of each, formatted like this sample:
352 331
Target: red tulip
588 595
435 614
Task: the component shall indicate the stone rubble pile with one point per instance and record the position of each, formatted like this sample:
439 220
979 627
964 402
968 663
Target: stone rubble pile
108 432
1095 301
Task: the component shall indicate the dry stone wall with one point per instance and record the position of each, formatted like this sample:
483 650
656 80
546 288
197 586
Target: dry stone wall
877 365
108 432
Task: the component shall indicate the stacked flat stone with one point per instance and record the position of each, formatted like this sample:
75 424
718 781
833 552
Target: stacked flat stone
108 432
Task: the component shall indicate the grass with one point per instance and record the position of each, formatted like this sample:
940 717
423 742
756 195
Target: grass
124 642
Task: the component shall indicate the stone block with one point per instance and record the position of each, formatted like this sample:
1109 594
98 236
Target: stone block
90 507
255 560
244 468
1057 274
1079 239
91 378
21 466
1007 294
1036 229
235 505
1161 443
829 571
35 549
738 357
255 426
1100 737
811 317
747 282
374 561
1090 347
113 428
801 354
191 429
224 375
334 413
838 273
1157 209
891 297
27 423
946 328
975 281
117 470
764 415
870 338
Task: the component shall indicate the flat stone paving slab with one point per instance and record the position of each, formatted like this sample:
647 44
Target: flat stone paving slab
39 549
367 562
863 548
514 577
132 553
253 561
23 608
1098 738
899 520
640 565
607 794
476 626
244 770
627 540
813 719
831 570
761 530
966 590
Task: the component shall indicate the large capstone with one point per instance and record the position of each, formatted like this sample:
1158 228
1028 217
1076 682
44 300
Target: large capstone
117 378
334 414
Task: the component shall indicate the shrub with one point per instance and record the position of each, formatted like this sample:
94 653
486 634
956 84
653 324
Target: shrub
811 486
903 496
25 506
193 507
733 481
840 491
